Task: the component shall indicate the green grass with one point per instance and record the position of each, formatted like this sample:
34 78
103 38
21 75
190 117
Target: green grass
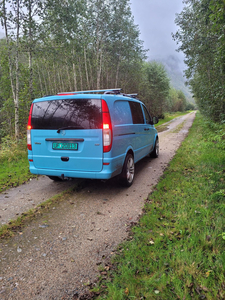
177 250
14 164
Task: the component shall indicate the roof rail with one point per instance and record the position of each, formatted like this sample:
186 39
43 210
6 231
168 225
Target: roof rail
106 91
132 95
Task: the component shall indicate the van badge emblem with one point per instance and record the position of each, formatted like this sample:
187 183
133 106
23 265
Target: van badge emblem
63 132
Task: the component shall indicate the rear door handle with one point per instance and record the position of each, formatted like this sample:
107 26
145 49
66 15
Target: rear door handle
65 158
146 129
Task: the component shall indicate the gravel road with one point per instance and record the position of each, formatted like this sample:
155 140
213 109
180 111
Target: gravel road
58 255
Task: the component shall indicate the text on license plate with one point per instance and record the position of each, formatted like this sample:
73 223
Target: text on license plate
64 146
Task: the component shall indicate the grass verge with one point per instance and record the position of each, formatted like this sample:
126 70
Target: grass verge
14 164
177 249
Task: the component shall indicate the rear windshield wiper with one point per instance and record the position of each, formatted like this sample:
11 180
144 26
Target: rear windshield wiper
69 128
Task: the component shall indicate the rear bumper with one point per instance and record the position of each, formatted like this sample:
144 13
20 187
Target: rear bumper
106 173
113 168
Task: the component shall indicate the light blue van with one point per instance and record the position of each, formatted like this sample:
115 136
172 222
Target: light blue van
90 134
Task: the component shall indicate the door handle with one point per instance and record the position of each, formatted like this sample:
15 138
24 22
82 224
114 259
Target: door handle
65 158
146 129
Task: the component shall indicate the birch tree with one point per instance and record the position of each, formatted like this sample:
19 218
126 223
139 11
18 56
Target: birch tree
9 19
30 28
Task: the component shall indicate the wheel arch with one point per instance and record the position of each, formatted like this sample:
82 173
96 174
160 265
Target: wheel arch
128 170
128 151
156 137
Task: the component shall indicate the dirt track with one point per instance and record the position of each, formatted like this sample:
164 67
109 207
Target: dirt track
56 256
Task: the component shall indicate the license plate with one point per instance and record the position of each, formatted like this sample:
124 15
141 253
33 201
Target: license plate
64 146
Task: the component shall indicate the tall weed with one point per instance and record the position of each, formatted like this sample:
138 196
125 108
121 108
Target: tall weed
14 163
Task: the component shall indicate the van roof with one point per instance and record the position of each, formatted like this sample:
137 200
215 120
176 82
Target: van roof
86 93
115 91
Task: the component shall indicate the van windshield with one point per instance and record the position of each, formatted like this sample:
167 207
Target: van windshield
68 113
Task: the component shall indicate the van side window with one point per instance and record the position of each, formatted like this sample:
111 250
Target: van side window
137 113
122 114
147 115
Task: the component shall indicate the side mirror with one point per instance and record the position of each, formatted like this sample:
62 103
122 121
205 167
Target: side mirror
155 120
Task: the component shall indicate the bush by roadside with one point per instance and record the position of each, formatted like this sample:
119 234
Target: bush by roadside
14 163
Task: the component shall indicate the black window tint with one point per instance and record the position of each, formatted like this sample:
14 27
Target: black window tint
80 113
147 115
137 113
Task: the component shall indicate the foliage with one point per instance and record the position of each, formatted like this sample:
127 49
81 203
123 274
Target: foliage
54 46
14 163
216 134
201 38
177 248
176 101
154 88
190 106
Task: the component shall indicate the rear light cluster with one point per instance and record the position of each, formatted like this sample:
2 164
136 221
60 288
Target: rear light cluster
107 127
29 127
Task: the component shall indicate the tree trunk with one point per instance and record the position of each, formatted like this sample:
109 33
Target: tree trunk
74 72
31 90
117 72
68 74
81 79
55 79
40 80
45 79
14 86
91 75
86 69
99 71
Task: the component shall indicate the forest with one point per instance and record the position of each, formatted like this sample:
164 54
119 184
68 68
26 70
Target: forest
53 46
201 37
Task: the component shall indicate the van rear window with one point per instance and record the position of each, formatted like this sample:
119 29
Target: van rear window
55 114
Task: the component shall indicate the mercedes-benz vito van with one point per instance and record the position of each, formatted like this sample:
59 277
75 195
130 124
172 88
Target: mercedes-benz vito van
90 134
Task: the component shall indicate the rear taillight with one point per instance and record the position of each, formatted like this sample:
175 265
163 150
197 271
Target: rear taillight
107 127
29 127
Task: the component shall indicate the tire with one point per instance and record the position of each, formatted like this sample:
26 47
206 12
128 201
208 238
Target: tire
127 175
55 178
155 152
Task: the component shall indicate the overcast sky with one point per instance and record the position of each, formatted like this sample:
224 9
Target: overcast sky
156 23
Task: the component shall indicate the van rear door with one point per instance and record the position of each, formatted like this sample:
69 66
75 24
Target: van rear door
67 134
